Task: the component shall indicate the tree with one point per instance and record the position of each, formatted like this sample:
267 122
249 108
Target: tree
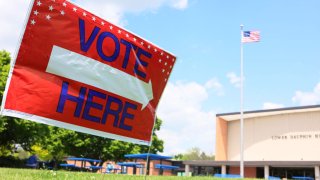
178 157
4 70
23 132
62 141
194 154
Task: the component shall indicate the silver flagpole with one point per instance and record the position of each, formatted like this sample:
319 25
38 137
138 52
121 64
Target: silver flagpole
241 105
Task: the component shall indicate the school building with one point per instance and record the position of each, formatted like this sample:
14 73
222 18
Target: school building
283 143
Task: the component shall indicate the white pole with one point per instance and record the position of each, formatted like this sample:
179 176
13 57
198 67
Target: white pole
241 106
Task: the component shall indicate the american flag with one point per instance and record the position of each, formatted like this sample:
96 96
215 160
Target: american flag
250 36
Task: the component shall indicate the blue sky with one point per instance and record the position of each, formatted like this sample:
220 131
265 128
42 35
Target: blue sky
280 71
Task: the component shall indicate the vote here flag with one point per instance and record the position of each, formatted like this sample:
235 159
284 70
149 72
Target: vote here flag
78 71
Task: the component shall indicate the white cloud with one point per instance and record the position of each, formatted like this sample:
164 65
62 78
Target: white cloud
179 4
307 98
12 17
234 79
185 123
270 105
215 85
114 10
13 14
317 89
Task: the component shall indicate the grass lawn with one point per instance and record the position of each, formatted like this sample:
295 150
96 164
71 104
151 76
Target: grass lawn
33 174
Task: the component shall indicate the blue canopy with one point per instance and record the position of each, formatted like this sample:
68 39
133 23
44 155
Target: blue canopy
83 159
227 175
163 166
131 164
145 156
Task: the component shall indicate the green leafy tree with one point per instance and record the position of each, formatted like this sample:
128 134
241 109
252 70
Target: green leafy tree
178 157
195 154
66 142
4 70
23 132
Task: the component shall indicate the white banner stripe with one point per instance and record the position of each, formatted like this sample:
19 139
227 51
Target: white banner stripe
83 69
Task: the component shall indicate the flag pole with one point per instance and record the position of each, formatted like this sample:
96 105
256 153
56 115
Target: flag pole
241 105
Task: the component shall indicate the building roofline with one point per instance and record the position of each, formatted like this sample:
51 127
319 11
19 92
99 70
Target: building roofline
269 110
253 163
147 155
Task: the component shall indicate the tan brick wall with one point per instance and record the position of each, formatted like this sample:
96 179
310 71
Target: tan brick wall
249 172
221 139
285 137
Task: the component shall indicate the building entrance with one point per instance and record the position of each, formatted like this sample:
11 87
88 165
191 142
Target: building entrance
288 173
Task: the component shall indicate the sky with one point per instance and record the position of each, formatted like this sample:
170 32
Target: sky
282 70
